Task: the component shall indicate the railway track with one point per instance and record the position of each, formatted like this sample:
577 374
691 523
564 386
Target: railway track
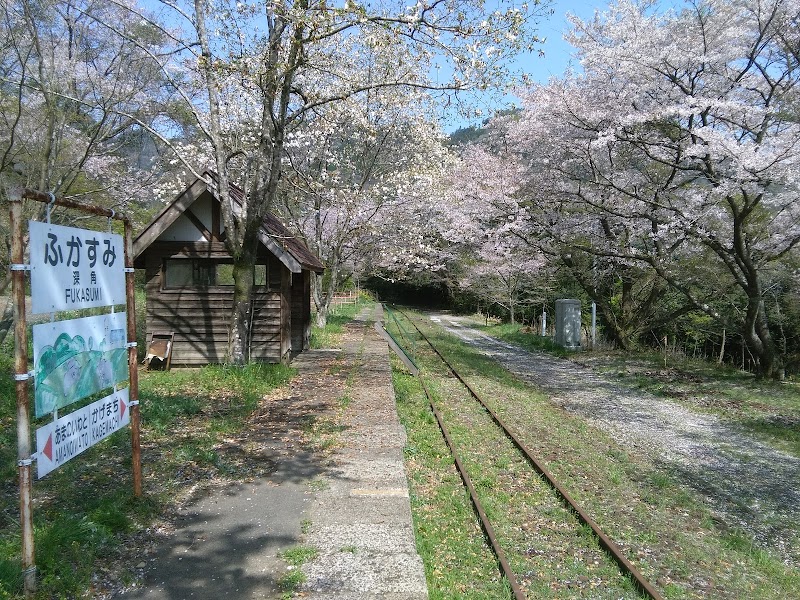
613 552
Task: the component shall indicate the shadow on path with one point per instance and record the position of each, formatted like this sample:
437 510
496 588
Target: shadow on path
225 543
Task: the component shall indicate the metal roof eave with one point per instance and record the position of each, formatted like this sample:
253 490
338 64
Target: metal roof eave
280 252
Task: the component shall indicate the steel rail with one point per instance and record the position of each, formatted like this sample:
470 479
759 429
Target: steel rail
626 567
473 494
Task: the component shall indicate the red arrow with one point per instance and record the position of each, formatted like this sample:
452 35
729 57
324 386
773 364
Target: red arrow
122 407
48 448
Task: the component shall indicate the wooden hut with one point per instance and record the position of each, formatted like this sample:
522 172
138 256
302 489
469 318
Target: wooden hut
189 277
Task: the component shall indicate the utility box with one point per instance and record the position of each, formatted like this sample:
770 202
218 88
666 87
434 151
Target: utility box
568 323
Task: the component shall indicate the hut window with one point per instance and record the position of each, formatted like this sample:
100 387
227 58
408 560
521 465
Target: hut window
260 275
193 272
189 272
224 274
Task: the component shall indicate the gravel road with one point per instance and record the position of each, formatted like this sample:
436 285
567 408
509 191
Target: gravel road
748 484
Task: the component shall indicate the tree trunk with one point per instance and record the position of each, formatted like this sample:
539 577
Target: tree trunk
322 315
623 322
755 328
239 327
759 340
323 306
323 296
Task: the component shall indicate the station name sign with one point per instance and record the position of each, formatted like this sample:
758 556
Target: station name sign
75 268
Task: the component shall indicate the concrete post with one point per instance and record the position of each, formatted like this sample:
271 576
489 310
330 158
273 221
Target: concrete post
568 323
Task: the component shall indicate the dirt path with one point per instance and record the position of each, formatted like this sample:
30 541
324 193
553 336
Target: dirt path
748 484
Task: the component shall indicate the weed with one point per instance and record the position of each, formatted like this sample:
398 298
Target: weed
289 583
660 480
299 555
296 557
319 484
112 516
345 401
10 577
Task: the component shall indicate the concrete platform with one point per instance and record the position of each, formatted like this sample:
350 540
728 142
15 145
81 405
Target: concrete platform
361 520
351 505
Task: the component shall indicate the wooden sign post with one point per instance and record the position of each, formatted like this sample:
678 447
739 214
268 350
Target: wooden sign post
88 245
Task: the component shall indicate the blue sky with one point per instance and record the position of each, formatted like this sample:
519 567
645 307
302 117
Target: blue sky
557 52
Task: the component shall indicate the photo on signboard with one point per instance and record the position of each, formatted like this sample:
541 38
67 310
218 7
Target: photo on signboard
77 358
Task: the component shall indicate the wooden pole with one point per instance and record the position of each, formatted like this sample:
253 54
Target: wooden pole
133 364
100 211
21 364
23 402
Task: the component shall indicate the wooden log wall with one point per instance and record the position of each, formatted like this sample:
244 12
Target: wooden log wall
199 319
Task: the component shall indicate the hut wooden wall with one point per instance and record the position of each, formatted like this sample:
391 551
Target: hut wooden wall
199 316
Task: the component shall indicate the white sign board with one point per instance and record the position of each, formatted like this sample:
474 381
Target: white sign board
77 358
75 268
61 440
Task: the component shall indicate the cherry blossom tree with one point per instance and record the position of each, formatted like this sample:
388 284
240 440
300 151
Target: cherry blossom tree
486 218
591 246
505 274
266 66
72 94
360 174
678 144
72 91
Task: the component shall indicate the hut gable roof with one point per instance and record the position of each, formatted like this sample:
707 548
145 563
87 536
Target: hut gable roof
273 234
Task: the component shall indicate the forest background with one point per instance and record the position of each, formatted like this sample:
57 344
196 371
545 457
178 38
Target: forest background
658 179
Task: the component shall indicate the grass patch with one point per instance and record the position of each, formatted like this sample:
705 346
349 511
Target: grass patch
458 564
215 388
290 582
344 401
299 555
296 557
521 336
319 484
330 335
